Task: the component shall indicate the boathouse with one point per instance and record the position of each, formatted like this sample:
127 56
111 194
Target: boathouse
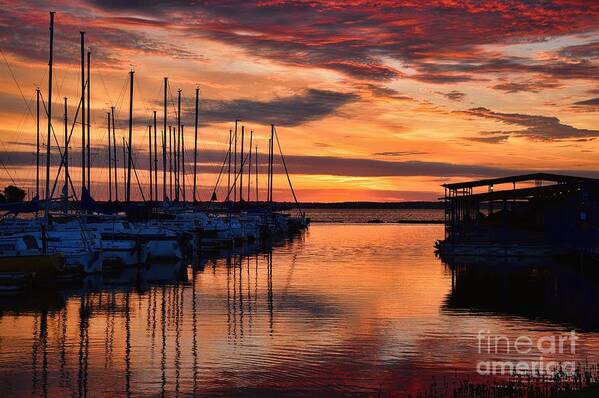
531 214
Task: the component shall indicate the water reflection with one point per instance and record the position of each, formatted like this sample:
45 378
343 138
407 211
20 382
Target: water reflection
561 293
343 309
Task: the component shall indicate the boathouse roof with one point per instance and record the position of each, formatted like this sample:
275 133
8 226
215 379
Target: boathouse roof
547 191
556 178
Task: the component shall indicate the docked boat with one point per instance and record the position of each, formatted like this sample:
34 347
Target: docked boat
82 250
23 253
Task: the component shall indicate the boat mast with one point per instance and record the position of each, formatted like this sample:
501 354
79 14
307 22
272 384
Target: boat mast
109 159
37 152
164 143
124 161
272 154
170 160
155 162
195 145
235 165
178 147
229 169
241 162
89 105
66 155
130 142
82 112
163 165
47 195
268 175
250 168
114 157
183 162
256 171
150 159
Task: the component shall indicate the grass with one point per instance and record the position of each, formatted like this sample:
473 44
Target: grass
585 383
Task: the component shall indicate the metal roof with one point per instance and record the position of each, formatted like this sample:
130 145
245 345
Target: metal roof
524 193
557 178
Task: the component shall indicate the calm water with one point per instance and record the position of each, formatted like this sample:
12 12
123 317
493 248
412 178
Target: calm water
344 309
370 215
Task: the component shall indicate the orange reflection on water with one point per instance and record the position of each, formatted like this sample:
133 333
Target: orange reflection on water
343 308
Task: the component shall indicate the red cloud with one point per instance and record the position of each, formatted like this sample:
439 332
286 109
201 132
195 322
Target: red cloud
440 40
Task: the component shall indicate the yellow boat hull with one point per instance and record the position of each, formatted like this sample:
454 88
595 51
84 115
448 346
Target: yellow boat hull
38 264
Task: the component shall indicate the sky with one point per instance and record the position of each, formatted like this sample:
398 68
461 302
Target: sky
372 100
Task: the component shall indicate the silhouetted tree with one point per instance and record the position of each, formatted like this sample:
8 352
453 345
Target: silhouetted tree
14 194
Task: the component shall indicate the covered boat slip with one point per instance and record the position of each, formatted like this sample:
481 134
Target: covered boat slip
537 215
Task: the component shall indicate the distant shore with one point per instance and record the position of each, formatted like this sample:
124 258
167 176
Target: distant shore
368 205
369 213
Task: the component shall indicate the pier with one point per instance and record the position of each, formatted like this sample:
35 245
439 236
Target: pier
531 215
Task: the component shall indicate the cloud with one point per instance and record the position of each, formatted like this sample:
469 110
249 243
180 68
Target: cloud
400 153
24 32
553 68
586 51
589 102
531 86
380 91
443 78
497 139
300 164
443 42
370 70
210 162
542 128
453 95
294 110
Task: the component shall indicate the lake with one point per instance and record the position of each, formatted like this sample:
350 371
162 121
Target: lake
344 309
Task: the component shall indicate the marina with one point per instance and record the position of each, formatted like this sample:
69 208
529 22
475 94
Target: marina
73 235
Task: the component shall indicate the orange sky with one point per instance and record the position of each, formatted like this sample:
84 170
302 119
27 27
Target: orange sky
380 101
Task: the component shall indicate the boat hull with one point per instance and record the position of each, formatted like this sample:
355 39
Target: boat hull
37 264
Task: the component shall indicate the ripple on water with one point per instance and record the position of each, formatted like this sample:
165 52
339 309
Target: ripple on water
344 309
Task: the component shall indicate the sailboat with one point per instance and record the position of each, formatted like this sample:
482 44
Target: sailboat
22 253
38 244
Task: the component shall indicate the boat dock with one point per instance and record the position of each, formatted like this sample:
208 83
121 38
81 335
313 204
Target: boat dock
531 215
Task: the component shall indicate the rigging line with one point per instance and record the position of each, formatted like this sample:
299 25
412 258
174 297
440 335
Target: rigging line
120 100
143 197
142 97
287 173
16 82
172 101
18 131
221 172
68 71
213 163
218 179
23 119
105 88
56 86
237 175
7 172
225 143
52 126
74 122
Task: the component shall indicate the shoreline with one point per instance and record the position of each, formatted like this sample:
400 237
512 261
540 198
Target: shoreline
373 222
